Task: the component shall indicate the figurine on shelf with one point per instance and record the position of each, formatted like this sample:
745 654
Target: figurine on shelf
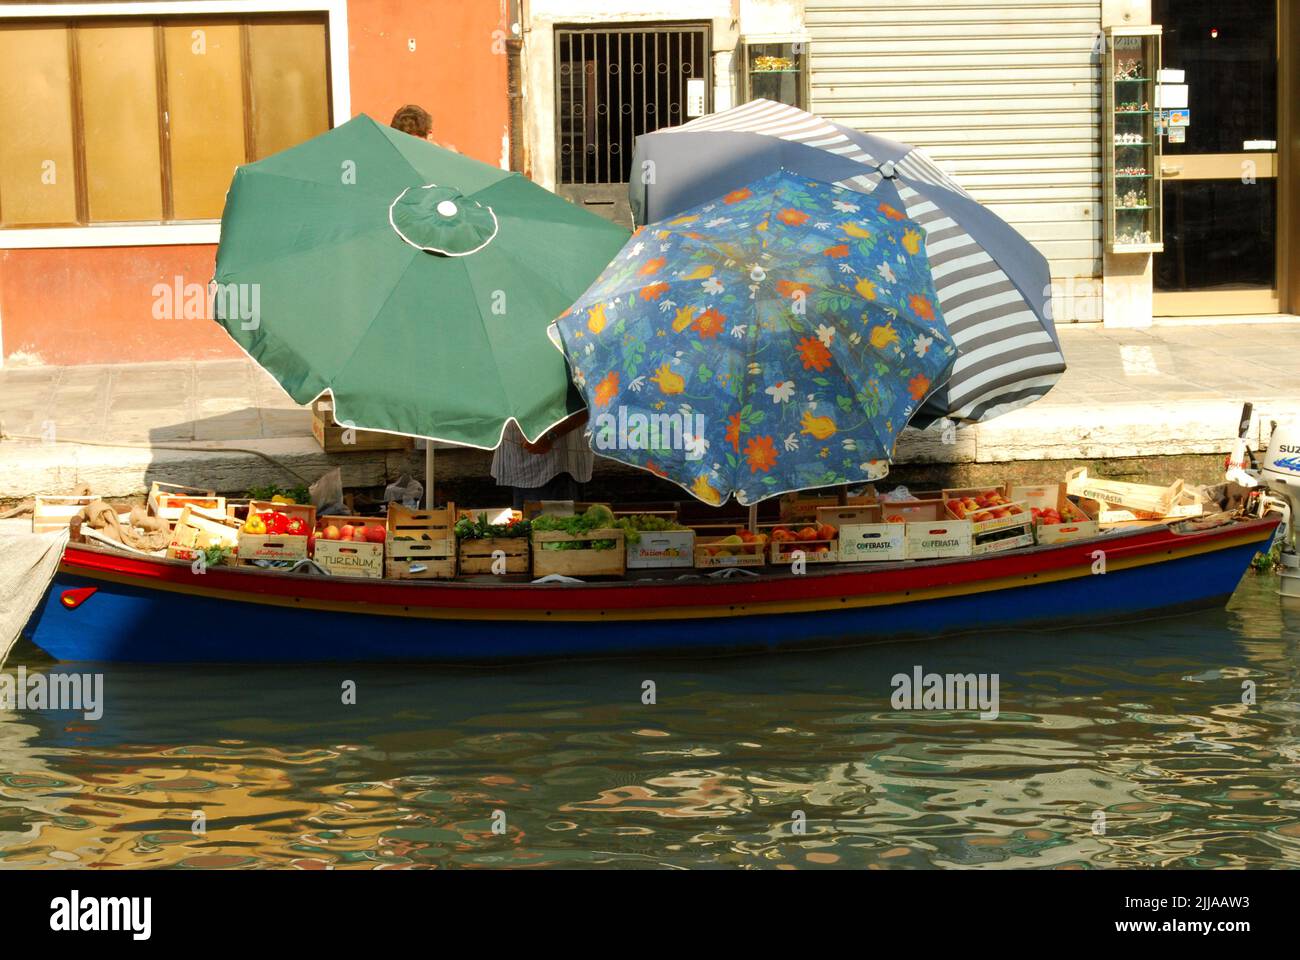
1129 69
1134 198
1129 139
1133 237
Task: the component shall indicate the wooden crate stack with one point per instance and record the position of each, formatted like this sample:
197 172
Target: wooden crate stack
421 543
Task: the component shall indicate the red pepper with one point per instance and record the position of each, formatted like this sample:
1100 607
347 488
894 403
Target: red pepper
277 524
296 527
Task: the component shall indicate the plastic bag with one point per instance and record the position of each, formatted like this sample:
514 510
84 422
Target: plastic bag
406 491
327 493
899 494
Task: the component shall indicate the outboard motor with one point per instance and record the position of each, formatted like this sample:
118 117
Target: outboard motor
1280 473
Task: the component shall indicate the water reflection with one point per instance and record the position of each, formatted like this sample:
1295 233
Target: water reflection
1129 746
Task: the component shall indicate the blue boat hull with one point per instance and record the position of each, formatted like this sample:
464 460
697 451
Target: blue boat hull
131 622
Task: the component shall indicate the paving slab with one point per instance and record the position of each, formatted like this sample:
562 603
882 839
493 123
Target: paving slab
1167 391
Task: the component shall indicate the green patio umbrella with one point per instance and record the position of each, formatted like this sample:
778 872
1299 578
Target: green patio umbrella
411 282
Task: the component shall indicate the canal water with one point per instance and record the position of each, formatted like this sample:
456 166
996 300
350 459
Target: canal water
1171 744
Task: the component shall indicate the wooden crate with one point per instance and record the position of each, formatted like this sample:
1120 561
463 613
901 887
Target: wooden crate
558 508
197 530
708 557
584 561
1143 498
167 500
56 513
349 558
476 556
331 435
273 546
494 514
430 553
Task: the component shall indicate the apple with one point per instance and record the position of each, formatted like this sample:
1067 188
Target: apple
331 532
808 533
826 532
376 534
895 518
346 532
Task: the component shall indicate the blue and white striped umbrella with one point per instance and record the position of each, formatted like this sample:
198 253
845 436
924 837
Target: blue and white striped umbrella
994 288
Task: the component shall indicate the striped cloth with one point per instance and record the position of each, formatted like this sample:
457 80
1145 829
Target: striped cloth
514 466
1008 353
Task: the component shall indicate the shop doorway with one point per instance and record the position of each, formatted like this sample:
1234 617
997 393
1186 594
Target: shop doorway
1222 212
612 84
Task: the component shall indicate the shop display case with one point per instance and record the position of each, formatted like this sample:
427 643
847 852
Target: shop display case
1131 141
775 68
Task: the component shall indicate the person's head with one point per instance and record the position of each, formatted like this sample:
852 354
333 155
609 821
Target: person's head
413 120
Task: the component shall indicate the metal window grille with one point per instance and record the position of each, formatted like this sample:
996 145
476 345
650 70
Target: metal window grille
613 84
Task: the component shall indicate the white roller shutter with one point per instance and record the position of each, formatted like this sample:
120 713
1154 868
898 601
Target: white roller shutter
1005 96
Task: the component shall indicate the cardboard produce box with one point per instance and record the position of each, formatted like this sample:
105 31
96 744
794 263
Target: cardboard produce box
1007 538
863 536
662 549
931 534
1144 498
1053 496
1186 504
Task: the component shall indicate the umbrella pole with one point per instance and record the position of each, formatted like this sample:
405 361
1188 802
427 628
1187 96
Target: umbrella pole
753 518
428 474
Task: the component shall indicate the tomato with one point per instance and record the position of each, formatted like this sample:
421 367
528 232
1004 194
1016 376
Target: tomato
826 532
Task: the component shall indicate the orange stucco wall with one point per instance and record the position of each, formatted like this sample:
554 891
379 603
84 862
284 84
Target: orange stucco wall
96 305
457 71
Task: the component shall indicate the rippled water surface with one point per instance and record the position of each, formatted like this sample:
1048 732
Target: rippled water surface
1123 746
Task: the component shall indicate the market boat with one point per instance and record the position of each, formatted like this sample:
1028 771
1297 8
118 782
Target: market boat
108 606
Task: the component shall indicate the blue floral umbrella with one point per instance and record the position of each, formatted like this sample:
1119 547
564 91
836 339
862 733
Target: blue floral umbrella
774 339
